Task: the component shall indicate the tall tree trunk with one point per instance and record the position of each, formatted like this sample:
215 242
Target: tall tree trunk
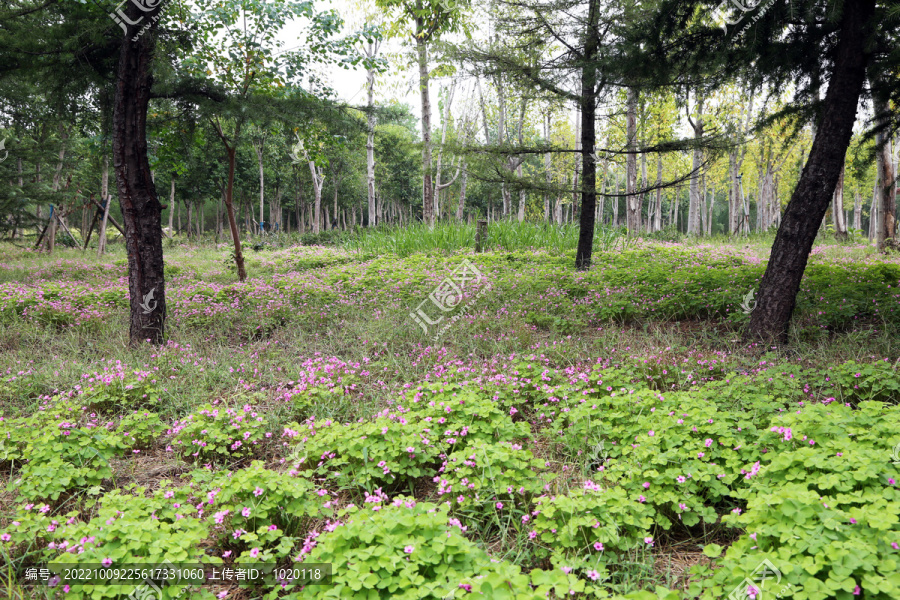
422 52
548 174
615 216
318 178
371 122
640 201
171 203
657 215
804 213
229 209
837 209
578 165
857 211
694 208
462 191
632 201
260 146
440 158
105 198
873 210
588 136
887 191
141 209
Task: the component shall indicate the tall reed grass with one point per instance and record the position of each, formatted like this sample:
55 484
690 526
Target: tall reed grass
448 238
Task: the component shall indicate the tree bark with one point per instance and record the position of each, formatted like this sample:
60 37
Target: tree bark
837 209
141 209
229 210
694 208
887 195
422 52
588 135
260 145
632 201
809 202
371 122
548 174
104 193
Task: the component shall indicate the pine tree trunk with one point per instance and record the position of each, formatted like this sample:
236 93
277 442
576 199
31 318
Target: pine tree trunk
141 209
632 201
809 202
588 136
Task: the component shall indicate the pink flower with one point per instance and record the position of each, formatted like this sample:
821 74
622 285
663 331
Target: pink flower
598 546
246 511
254 553
532 534
708 442
499 506
106 562
513 411
258 492
646 485
856 591
648 541
651 433
594 575
5 537
273 527
895 546
409 549
641 499
222 594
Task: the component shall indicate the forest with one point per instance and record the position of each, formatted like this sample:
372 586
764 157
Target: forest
521 299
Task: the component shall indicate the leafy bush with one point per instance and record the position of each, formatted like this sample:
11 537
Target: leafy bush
403 443
62 450
411 550
219 432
